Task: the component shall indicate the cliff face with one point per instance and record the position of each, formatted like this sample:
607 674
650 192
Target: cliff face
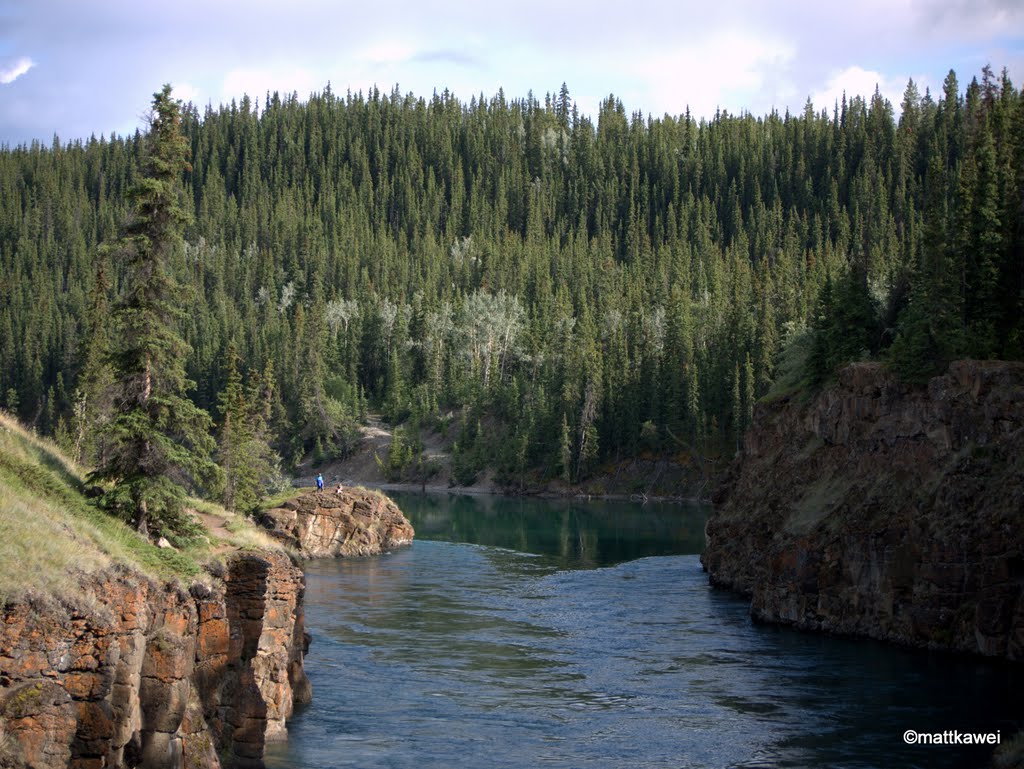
326 524
140 673
880 510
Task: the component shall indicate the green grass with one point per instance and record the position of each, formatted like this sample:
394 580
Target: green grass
50 533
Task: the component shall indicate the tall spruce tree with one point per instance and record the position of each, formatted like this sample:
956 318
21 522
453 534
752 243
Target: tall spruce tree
157 443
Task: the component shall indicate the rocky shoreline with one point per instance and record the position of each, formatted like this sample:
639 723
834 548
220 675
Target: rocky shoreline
877 509
327 524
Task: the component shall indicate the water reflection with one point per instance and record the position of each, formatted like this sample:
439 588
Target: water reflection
571 534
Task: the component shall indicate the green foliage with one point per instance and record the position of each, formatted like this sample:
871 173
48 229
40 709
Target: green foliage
565 451
925 344
846 327
157 442
470 452
51 531
405 455
250 467
792 369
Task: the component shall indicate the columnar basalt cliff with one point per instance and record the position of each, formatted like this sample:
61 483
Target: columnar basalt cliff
882 510
139 673
355 522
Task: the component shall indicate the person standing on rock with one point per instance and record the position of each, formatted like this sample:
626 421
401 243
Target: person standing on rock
319 482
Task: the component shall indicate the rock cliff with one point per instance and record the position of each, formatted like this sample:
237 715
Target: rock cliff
882 510
354 522
141 673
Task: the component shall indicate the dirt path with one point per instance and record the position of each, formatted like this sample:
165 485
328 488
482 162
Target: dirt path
218 531
363 468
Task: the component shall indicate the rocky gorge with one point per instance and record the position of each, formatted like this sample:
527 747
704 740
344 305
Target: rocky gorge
132 671
878 509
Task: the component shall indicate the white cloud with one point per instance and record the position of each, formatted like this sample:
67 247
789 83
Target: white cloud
186 93
731 70
257 82
16 70
857 81
967 20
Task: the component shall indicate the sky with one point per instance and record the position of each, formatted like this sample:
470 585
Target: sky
77 69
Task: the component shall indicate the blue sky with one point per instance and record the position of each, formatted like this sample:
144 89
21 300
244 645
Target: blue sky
83 68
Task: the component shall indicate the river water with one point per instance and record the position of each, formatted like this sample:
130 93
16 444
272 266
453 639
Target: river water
531 633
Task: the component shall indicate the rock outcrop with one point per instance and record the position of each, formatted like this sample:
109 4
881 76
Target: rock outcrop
141 673
882 510
326 523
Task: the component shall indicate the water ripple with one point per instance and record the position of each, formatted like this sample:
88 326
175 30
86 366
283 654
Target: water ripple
448 654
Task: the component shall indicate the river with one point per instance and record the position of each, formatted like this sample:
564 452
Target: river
532 633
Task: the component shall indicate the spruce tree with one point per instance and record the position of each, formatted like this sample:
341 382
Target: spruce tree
157 443
249 464
358 244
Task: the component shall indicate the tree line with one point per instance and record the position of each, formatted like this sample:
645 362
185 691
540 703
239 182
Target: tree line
555 291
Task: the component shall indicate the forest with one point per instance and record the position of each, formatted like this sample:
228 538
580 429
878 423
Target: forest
552 291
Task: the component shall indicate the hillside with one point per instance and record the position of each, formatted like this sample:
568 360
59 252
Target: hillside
115 651
427 464
50 534
574 292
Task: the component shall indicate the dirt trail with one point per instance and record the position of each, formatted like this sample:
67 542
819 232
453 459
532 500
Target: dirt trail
217 528
362 468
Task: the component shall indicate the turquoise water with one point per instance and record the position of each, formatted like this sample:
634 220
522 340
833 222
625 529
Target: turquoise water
526 633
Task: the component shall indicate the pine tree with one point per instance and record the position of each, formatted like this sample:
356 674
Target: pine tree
749 392
737 407
158 442
243 453
818 366
766 339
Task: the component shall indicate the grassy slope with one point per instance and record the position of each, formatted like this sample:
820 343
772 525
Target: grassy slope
50 533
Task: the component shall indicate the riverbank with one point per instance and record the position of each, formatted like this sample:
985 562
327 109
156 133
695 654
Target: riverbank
647 478
878 509
494 491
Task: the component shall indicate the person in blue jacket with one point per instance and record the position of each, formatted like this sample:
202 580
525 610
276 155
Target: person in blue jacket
319 482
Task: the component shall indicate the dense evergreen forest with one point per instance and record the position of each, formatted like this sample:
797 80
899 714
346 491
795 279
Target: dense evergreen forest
555 291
